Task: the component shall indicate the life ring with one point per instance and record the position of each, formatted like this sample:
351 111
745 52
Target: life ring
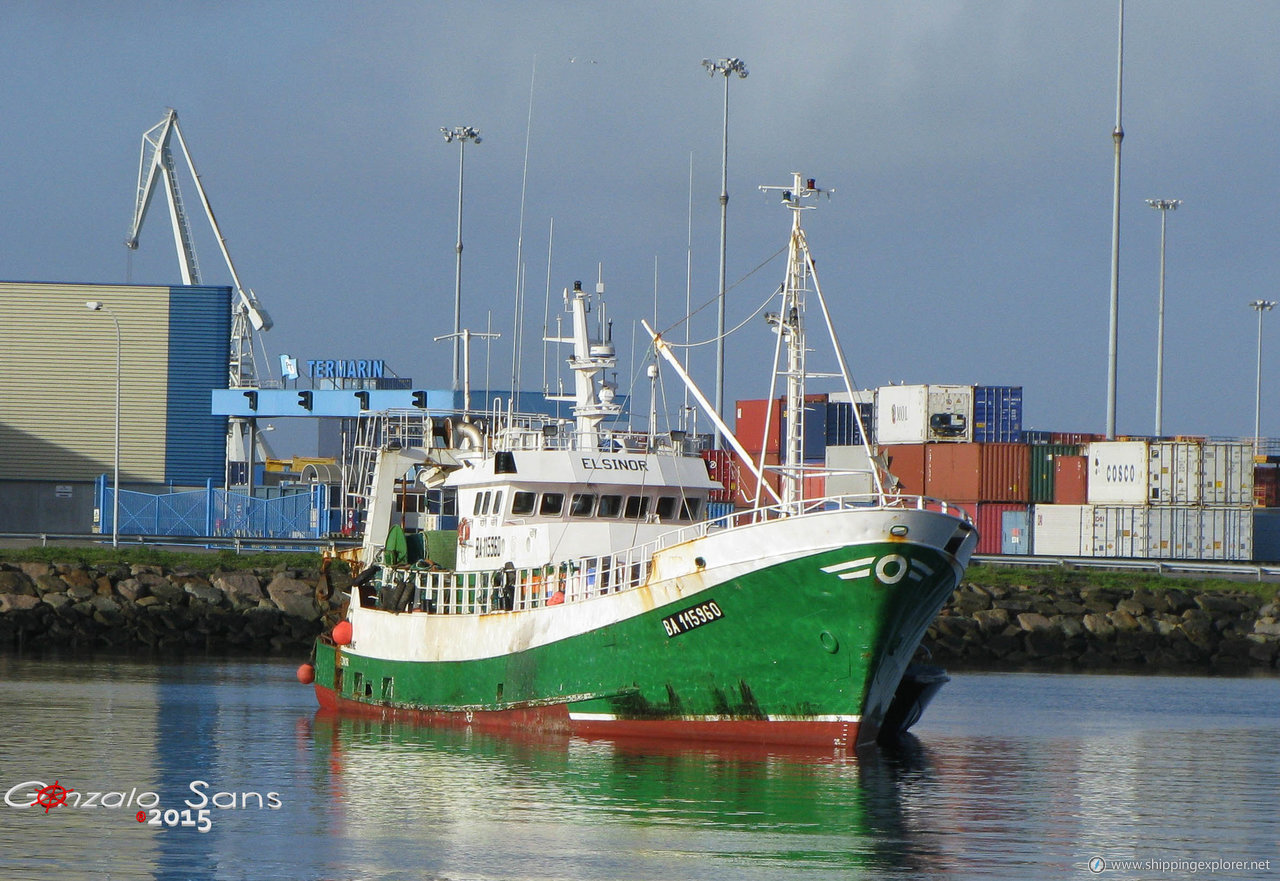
464 529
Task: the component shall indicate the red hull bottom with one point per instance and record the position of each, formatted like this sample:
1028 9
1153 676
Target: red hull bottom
555 719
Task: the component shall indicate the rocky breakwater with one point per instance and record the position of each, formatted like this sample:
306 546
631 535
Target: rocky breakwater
76 606
1091 627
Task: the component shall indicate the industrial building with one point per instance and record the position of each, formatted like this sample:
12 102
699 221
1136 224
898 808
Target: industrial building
58 412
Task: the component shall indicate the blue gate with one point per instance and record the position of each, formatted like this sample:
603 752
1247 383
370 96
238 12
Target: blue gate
215 512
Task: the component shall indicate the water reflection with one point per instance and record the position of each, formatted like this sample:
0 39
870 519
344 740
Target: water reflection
571 807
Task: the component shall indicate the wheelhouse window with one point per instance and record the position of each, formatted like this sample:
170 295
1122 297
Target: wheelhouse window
582 504
690 508
522 503
497 502
610 506
637 507
552 504
666 508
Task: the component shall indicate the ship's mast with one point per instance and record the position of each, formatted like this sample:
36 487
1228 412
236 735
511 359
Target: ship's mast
593 397
789 322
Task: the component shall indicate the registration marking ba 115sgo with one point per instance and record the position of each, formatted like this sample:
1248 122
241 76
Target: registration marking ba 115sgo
692 618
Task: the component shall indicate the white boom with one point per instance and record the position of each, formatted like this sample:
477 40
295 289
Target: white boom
156 163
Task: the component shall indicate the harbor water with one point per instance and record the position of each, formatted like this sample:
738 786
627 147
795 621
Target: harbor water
223 770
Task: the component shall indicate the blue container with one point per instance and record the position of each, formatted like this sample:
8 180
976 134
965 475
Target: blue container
816 416
842 427
1015 532
997 414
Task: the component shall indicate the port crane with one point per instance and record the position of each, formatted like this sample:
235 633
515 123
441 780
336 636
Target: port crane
248 317
156 165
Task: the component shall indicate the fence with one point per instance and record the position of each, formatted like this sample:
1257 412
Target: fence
214 512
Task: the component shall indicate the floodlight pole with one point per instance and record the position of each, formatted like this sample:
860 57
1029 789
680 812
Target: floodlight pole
1117 135
725 67
1259 306
1164 206
461 134
95 306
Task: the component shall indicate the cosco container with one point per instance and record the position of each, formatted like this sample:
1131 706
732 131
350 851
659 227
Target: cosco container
997 414
977 472
1117 472
1060 530
908 414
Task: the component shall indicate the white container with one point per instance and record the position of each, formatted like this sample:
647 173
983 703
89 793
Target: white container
1227 474
914 414
1173 533
850 471
1174 473
1118 472
1058 530
1226 534
1120 530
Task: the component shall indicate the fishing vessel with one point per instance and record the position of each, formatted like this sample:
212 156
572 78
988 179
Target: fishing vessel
589 590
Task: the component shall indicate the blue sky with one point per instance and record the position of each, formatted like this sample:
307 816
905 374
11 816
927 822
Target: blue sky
968 240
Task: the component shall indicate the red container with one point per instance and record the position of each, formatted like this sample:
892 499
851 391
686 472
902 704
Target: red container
1070 480
722 466
747 482
750 425
978 472
989 517
906 463
1075 437
1266 486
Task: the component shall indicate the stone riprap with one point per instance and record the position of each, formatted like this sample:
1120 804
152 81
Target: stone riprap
1096 628
73 606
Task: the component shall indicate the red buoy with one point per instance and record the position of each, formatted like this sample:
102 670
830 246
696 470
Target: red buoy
306 674
342 633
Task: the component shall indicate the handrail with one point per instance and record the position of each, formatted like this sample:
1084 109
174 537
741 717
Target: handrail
1256 571
482 592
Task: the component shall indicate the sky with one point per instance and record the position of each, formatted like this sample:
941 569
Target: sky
968 144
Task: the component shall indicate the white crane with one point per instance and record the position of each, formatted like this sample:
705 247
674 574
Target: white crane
156 163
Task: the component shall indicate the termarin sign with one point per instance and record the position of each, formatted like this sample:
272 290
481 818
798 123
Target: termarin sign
340 369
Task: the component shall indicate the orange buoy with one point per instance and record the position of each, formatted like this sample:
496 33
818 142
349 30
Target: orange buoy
342 633
306 674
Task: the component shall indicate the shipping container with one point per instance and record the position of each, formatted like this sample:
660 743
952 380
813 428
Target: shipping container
747 484
1266 536
908 414
1227 473
1075 437
1036 436
997 414
1120 530
1173 533
1070 479
977 472
905 462
842 423
1118 472
1015 531
750 425
723 467
1226 534
1043 470
1266 485
989 517
1059 530
1173 473
850 471
814 434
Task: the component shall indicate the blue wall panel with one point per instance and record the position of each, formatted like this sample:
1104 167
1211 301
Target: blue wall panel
199 346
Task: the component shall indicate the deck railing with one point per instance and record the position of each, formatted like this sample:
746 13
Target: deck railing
416 589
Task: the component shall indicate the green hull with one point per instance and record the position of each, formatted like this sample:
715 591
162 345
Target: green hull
817 643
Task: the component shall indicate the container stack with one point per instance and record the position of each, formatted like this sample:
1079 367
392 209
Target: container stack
1069 494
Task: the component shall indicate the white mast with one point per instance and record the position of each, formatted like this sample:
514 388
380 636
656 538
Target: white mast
593 397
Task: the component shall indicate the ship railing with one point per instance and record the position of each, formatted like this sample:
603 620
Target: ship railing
415 589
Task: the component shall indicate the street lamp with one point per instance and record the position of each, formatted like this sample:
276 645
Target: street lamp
1164 206
95 306
1259 306
461 134
725 67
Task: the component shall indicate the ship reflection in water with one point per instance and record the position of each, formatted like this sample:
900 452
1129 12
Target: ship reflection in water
1013 776
566 807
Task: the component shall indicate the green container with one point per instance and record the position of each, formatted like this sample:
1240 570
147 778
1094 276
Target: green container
1042 456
